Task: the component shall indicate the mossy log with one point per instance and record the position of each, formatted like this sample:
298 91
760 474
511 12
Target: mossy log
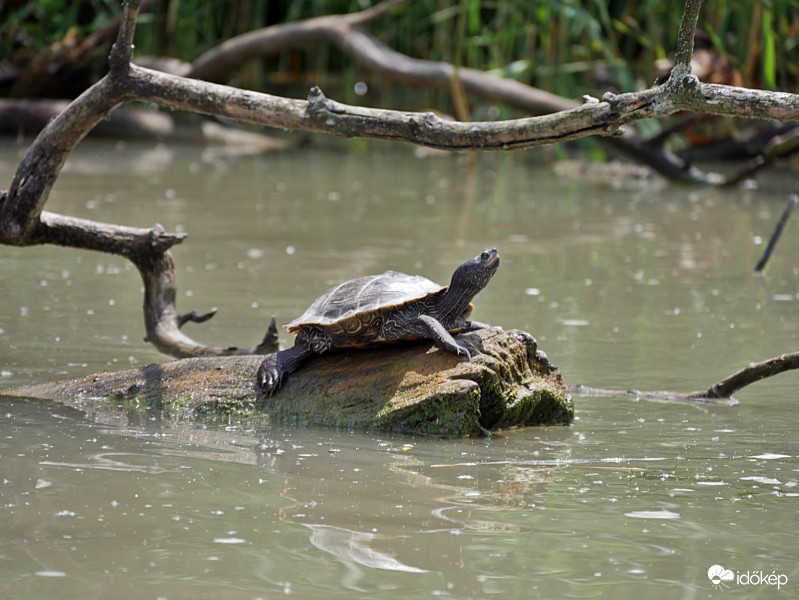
413 388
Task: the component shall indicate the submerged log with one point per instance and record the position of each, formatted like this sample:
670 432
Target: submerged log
413 388
30 116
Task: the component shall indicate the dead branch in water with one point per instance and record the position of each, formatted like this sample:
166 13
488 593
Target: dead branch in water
750 374
23 222
793 199
723 390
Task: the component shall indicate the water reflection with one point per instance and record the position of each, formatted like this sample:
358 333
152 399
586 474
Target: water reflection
356 547
376 509
105 461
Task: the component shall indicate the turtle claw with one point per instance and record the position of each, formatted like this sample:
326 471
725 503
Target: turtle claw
466 348
275 368
270 377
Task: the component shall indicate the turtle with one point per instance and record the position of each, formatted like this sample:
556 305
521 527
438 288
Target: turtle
379 309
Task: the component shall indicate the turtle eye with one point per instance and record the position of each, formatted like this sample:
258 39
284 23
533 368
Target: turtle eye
484 255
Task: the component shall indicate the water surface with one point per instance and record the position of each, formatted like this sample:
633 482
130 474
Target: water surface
639 284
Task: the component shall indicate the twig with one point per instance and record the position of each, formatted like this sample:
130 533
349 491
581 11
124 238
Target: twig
270 342
793 199
107 31
195 317
122 50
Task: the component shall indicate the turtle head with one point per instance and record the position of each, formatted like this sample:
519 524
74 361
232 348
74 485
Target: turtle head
473 275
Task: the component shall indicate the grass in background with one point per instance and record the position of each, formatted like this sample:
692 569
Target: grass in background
565 46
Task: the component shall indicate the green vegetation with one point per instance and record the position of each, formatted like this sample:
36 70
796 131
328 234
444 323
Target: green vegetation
569 47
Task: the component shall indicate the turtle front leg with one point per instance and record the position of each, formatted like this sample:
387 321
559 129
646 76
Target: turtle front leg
276 367
443 339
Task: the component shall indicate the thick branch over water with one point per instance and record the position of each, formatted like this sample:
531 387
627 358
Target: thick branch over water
346 32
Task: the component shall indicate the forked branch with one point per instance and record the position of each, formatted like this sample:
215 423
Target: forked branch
23 221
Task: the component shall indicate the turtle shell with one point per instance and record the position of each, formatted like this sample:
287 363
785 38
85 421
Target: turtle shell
359 301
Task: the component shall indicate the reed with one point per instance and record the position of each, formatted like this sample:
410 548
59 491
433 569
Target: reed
567 46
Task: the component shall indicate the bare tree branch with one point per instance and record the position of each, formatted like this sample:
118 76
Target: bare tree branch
345 32
321 114
39 168
122 50
723 390
750 374
685 39
23 222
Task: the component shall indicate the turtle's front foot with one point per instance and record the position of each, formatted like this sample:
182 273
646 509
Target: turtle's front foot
467 348
270 376
444 339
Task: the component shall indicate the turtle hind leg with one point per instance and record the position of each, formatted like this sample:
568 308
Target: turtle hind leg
276 367
443 338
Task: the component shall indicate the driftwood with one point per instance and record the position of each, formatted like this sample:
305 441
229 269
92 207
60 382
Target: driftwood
408 387
750 374
768 141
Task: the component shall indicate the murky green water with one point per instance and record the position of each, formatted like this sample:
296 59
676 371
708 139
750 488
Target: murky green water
643 285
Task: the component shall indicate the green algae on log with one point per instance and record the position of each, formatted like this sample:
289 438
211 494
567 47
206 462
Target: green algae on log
412 388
